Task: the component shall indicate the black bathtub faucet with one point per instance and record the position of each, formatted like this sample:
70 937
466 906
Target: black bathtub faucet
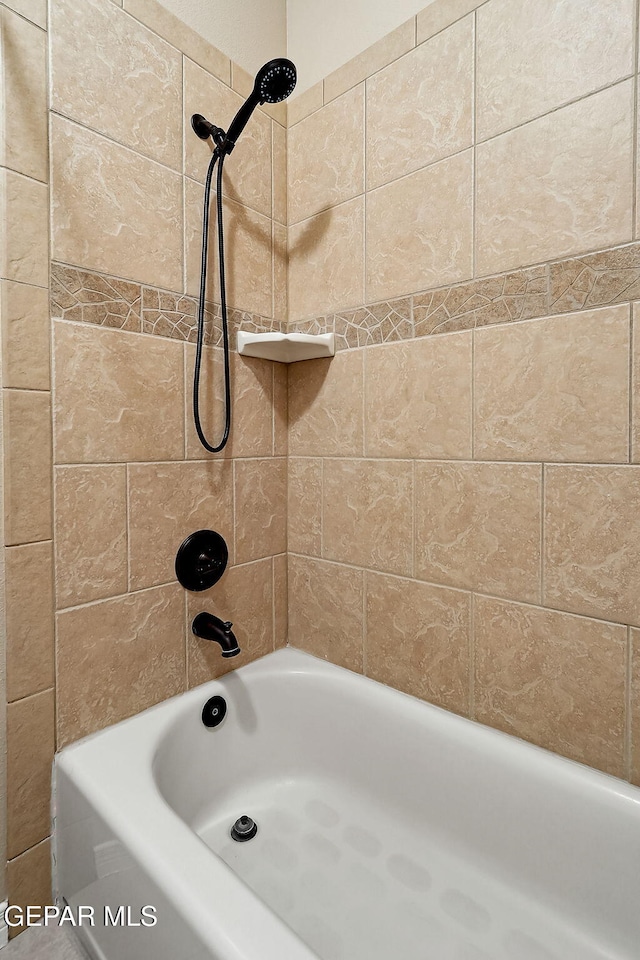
208 627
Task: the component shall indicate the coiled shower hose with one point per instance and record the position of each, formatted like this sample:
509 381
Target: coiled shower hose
218 156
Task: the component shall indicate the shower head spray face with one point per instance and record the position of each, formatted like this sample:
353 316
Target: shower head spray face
275 81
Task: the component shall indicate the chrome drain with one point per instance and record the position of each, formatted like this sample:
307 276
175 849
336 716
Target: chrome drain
244 829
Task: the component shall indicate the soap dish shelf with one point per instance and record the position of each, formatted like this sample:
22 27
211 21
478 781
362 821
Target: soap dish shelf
286 347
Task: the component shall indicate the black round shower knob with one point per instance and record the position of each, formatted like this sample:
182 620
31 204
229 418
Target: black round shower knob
201 560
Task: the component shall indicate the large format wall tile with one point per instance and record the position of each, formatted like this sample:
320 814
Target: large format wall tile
374 58
244 595
592 541
30 749
326 156
280 310
279 173
304 512
24 209
247 171
478 526
418 398
554 389
368 515
176 32
557 185
280 600
97 42
317 623
304 104
33 10
533 57
25 336
23 69
417 639
251 400
248 253
325 406
167 502
29 619
419 230
113 210
118 396
29 879
91 533
326 261
27 466
553 679
420 108
260 505
124 654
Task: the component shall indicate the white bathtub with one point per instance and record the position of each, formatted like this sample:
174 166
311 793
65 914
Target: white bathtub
386 829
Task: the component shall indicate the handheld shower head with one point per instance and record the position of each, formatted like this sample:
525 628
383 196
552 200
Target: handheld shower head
274 82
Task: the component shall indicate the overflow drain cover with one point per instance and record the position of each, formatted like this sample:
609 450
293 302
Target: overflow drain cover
244 829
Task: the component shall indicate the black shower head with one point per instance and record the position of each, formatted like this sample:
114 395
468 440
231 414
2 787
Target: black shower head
274 82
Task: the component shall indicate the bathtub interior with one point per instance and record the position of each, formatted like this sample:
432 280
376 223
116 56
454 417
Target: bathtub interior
387 827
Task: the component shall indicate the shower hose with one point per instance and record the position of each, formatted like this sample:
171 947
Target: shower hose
217 155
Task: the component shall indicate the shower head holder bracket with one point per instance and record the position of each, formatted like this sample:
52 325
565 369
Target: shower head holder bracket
204 129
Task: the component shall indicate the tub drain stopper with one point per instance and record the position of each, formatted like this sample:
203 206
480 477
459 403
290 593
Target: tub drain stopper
244 829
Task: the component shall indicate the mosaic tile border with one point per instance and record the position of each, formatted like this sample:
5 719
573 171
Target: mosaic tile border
598 279
88 297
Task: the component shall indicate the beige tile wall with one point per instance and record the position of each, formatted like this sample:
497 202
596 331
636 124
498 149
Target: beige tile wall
26 454
463 486
493 136
460 509
103 474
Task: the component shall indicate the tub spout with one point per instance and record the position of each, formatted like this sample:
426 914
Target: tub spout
208 627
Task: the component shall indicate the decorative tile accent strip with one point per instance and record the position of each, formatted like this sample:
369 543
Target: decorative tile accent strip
174 315
379 323
595 280
520 295
313 327
252 323
91 298
576 283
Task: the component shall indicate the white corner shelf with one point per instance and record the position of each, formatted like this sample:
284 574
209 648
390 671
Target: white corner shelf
286 347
